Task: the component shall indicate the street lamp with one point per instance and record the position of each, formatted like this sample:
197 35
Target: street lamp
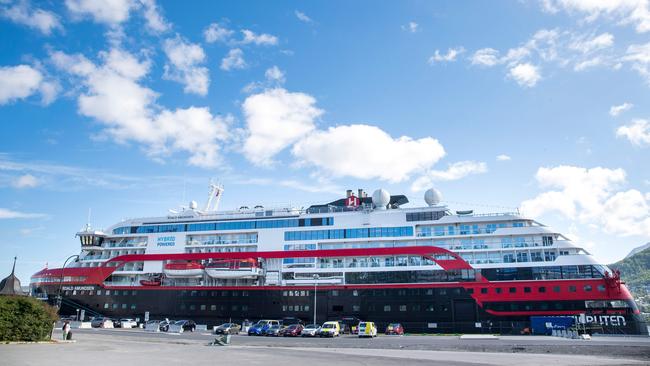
58 303
316 277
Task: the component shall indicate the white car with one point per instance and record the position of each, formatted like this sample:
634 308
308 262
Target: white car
310 330
128 323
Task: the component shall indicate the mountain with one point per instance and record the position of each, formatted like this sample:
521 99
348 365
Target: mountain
638 249
635 268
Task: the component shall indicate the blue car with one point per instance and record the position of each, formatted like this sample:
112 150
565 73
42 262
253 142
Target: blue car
261 327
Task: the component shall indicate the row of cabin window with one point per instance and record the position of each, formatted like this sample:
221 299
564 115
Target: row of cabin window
118 306
193 307
227 225
99 292
540 289
373 232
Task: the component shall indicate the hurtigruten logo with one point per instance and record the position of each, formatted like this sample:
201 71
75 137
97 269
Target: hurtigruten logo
166 241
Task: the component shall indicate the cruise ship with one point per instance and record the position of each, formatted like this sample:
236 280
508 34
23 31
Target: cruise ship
362 257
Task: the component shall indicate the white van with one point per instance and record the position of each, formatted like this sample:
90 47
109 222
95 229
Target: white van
367 329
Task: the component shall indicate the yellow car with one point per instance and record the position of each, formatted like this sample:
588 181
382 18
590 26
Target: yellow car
330 329
367 329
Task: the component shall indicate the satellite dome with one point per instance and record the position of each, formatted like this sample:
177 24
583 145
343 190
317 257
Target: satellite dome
193 205
381 198
432 196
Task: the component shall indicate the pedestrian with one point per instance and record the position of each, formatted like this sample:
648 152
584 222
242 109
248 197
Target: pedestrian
66 329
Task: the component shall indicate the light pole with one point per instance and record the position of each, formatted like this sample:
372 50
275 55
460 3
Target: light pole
58 303
316 277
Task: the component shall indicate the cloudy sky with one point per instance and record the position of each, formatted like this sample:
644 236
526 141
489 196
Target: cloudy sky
129 107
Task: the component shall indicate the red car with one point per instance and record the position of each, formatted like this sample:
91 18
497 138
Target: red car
293 330
394 328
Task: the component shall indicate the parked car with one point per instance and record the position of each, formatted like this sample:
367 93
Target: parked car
273 330
261 326
99 322
164 325
351 324
330 329
395 328
310 330
127 323
187 325
227 328
367 329
293 330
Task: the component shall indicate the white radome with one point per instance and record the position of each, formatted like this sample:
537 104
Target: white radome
193 205
381 198
432 197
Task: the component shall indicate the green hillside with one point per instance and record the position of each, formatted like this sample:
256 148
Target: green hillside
635 270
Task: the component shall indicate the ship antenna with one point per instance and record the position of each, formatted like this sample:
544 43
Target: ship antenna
88 221
214 196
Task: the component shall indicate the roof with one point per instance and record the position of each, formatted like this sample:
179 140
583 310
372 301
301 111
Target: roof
11 284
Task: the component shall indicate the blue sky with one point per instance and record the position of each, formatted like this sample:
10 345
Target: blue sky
129 109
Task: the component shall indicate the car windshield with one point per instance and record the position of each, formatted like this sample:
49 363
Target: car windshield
328 326
262 322
394 325
275 327
180 322
311 326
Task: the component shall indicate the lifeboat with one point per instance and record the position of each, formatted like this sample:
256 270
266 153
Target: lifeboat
183 270
151 282
234 269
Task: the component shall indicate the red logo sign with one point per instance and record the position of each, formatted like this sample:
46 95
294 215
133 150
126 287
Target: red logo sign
352 201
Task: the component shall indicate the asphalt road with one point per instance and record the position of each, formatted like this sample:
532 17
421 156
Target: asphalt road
113 347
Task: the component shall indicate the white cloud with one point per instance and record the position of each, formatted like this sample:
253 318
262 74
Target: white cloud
274 78
587 45
486 57
6 214
274 74
450 56
26 181
637 132
412 27
22 81
153 19
591 196
110 12
276 119
367 152
22 13
233 60
128 110
263 39
185 59
587 64
635 12
217 33
303 17
638 55
503 157
526 75
454 171
615 110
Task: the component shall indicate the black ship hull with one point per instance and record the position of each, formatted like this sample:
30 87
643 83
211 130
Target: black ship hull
420 310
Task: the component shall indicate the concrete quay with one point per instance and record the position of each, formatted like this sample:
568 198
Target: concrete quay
114 347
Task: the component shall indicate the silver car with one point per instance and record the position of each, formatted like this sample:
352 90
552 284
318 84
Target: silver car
310 330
